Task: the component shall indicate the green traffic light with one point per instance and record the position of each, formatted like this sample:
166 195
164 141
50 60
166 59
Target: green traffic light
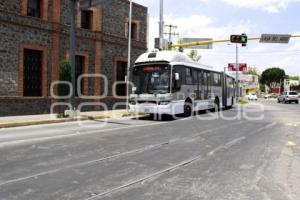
244 39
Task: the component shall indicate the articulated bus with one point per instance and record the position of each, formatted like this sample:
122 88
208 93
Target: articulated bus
170 83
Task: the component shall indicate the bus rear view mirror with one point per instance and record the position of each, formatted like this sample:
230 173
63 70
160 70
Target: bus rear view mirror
177 76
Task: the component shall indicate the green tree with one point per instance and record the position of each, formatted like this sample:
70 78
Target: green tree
64 74
180 49
272 77
295 78
262 87
252 71
194 55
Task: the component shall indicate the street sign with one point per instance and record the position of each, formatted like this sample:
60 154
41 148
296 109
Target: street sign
275 38
202 46
242 67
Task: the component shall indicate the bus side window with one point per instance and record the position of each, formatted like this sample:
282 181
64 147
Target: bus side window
188 76
195 77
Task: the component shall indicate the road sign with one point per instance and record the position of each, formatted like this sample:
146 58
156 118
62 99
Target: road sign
202 46
275 38
242 67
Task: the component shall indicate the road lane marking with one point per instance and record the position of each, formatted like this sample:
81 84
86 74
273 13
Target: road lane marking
291 144
226 146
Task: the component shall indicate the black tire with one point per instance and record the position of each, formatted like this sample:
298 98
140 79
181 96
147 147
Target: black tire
278 101
297 102
216 106
187 108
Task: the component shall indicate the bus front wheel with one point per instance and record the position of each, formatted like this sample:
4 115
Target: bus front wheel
187 108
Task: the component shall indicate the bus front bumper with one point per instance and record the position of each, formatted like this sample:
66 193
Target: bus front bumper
170 109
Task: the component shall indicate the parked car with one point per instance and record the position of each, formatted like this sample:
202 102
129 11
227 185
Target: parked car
251 97
288 97
274 95
267 96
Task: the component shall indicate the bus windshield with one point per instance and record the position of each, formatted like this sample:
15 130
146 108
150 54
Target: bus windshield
151 79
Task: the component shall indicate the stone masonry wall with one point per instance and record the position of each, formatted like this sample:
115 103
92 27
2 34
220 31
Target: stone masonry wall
16 29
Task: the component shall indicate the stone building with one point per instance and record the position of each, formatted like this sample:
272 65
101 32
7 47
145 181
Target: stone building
34 38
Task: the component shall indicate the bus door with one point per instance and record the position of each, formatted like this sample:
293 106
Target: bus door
197 84
224 89
205 86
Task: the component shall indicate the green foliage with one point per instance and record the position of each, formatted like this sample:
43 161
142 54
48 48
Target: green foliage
273 76
180 49
295 78
252 71
262 87
242 101
64 74
194 55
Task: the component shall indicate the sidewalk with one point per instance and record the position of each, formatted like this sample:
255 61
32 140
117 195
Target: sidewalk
15 121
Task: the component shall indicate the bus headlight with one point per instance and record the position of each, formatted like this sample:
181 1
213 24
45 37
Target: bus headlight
164 103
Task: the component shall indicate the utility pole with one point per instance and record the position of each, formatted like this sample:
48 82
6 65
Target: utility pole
129 54
161 25
237 68
171 33
73 51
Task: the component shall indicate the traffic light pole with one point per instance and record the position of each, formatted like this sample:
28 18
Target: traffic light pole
237 69
161 24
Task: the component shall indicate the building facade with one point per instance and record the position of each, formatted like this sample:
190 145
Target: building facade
34 39
290 84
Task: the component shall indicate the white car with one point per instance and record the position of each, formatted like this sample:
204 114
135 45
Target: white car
251 97
288 97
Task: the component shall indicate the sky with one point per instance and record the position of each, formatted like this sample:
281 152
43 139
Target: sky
218 19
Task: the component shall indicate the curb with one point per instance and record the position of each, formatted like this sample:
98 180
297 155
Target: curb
56 121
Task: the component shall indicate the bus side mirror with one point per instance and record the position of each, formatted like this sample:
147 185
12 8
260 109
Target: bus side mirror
176 76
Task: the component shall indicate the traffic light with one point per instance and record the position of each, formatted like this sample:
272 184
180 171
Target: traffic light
241 39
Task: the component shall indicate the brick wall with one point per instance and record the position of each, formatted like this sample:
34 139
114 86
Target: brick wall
103 44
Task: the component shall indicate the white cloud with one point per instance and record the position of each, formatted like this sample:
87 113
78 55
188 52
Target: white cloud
271 6
198 26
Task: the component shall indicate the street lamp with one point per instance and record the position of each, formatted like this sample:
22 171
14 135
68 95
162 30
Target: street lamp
237 69
129 54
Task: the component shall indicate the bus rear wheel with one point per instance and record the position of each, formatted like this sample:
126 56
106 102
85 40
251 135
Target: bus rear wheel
216 106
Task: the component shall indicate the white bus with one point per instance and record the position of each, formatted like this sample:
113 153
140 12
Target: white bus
168 82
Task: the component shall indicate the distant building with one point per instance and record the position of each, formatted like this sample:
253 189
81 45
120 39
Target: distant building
34 38
288 84
248 83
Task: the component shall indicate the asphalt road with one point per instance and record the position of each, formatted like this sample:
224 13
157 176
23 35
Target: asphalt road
242 153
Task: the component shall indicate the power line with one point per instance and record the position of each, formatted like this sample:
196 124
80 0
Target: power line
170 32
